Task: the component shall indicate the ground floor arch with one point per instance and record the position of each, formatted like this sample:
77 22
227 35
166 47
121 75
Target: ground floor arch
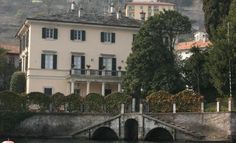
104 134
159 134
131 130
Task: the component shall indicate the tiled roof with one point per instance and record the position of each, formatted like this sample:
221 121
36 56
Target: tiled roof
11 48
151 3
93 19
189 45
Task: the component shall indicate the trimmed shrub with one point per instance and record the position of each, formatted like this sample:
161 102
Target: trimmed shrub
188 101
58 100
10 101
40 99
74 103
160 101
94 102
114 101
18 82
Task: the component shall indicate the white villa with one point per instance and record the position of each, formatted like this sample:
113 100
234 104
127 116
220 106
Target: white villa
75 52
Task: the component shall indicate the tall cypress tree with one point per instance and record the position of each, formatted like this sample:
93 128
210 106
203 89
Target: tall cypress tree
215 13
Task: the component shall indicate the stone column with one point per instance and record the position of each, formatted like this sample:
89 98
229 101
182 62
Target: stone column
218 106
72 87
230 104
88 72
119 87
174 107
88 88
133 105
103 89
202 107
141 108
122 111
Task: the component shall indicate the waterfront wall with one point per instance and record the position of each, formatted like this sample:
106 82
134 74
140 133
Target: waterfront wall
214 126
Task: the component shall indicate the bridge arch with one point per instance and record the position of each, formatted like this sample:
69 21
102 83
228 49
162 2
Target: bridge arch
104 134
131 130
159 134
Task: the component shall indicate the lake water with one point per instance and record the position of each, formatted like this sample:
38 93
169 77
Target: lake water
68 141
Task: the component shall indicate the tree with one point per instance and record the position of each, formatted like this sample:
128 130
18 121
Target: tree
6 70
18 82
215 13
174 24
151 65
223 54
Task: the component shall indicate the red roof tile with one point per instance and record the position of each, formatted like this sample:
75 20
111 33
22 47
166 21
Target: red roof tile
11 48
189 45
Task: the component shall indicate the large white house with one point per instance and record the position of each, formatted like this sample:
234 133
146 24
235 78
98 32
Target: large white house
75 52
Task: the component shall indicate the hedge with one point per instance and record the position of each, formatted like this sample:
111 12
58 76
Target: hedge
74 103
94 102
10 101
18 82
114 100
160 101
40 99
58 100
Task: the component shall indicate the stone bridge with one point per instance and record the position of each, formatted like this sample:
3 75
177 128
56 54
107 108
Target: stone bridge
132 126
137 126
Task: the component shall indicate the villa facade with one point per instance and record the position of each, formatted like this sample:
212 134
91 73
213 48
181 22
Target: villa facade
149 7
73 53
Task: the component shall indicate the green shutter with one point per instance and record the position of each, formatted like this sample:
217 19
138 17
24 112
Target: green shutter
44 33
113 66
72 61
102 36
55 33
83 35
82 64
54 61
100 65
113 38
43 61
72 35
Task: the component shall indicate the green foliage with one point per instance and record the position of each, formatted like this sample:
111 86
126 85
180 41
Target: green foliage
10 101
215 13
187 101
196 73
18 82
94 102
10 120
222 57
74 102
6 70
151 65
40 99
57 100
160 101
114 100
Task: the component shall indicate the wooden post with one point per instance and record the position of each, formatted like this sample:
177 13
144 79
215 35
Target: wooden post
202 107
230 104
133 105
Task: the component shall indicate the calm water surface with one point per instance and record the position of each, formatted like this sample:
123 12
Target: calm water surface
67 141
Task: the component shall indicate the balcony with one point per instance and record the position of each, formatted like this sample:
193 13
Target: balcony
96 75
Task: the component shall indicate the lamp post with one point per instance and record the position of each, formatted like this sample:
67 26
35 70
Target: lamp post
230 80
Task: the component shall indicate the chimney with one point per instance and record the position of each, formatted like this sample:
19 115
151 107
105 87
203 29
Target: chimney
118 15
80 11
112 9
142 15
73 6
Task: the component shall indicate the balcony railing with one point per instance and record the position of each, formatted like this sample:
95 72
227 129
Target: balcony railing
94 72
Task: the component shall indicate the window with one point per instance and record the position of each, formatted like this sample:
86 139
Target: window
141 7
48 91
108 37
49 33
108 64
49 61
77 35
78 64
131 8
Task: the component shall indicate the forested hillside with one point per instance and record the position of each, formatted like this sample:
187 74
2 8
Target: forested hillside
13 12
